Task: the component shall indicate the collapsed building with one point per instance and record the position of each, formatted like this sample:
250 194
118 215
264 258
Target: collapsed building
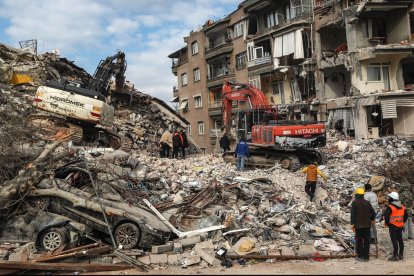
163 211
348 61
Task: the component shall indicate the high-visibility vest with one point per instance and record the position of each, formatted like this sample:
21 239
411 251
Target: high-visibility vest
312 173
397 216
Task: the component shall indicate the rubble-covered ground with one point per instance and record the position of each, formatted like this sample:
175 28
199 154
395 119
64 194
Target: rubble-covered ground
260 211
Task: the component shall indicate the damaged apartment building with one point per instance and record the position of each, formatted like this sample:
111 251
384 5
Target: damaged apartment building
346 63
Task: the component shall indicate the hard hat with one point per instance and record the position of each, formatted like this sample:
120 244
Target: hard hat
316 163
359 191
394 195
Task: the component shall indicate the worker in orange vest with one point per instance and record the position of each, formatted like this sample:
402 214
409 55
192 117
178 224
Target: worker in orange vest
395 216
312 172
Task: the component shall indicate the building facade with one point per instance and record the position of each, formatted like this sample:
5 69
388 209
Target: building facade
351 61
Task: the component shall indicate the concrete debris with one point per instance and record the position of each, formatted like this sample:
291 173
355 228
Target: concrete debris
183 209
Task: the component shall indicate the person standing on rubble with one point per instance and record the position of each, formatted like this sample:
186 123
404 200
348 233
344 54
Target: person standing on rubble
241 153
395 216
225 142
312 172
373 199
166 144
177 144
362 216
406 198
184 141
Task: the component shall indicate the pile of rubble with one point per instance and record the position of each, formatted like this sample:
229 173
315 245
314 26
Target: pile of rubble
198 210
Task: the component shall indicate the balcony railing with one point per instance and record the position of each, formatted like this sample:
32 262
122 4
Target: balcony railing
177 62
258 61
219 42
220 73
215 104
215 132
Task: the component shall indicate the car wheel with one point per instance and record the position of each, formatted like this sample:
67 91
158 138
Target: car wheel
286 163
127 235
53 238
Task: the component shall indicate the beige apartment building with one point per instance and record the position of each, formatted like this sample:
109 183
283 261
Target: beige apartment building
350 61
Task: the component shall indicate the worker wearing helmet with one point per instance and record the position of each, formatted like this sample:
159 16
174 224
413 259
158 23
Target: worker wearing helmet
312 172
395 216
362 216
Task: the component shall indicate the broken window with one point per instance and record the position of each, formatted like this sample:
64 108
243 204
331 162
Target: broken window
183 105
255 81
373 28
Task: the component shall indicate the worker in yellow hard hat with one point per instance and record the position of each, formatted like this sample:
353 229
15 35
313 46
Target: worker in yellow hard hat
362 216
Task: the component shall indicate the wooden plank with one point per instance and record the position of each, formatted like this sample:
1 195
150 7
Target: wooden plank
62 266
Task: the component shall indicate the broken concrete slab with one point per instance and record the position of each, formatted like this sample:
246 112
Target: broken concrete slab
158 249
189 242
191 260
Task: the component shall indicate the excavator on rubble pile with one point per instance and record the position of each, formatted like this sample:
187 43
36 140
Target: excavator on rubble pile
82 113
273 136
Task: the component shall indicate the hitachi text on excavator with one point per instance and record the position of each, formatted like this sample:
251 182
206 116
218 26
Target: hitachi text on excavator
275 135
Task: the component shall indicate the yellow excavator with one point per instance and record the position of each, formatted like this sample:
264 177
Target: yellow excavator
69 111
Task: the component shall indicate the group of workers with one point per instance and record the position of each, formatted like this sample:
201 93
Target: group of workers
365 212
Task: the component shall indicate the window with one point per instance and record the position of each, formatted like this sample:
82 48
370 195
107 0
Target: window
379 72
183 79
238 29
255 81
241 60
194 47
254 52
201 127
373 28
197 101
277 88
272 19
196 73
183 104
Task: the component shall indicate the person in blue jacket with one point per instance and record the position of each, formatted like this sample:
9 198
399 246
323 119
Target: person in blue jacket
241 153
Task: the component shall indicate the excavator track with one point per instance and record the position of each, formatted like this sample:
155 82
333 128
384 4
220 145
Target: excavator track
269 157
117 141
51 128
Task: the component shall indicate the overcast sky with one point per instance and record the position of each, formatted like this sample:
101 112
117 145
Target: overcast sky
88 31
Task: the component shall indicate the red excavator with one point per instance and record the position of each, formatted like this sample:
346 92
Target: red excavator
275 133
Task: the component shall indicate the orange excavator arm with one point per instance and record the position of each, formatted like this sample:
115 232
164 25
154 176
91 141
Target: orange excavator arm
232 91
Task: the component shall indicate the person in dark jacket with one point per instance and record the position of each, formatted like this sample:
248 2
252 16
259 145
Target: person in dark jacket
184 142
241 152
177 144
362 216
395 216
225 142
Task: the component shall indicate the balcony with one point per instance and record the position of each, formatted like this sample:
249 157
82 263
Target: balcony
214 108
215 133
177 62
175 91
219 76
259 61
219 47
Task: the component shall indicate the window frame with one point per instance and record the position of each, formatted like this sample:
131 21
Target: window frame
238 27
196 97
194 47
196 74
188 130
201 126
182 79
280 87
241 56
